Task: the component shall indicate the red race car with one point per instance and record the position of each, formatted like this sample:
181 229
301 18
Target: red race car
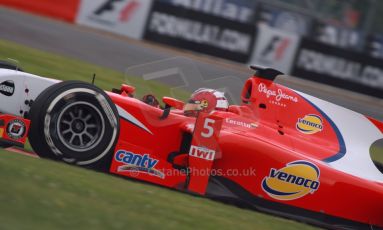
281 151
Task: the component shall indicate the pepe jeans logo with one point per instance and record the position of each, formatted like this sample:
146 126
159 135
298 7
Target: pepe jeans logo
7 88
137 163
295 180
279 95
310 124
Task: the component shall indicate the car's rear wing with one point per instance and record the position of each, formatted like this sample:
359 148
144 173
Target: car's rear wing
265 72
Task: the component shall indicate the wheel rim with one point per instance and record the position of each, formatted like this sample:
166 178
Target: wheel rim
80 126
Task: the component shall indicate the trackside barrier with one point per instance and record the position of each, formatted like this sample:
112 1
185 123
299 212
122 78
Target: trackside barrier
339 67
274 48
125 17
209 29
203 32
59 9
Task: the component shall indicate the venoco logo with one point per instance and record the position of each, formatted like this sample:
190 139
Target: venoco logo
294 181
7 88
310 124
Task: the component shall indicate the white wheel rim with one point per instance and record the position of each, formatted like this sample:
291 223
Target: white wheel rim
80 126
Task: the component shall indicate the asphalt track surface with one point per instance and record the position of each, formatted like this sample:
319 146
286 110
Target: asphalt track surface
118 53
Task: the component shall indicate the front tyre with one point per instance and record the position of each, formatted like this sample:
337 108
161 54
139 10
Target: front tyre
74 122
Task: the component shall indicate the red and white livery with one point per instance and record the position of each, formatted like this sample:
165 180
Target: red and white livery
280 151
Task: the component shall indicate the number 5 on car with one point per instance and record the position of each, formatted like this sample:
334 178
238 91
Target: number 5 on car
203 151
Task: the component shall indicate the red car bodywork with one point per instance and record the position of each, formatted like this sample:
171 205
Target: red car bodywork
275 152
262 135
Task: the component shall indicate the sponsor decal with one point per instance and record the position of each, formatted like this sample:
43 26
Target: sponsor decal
339 67
278 95
124 11
283 20
310 124
275 47
236 10
181 26
126 17
16 129
202 152
330 65
7 88
204 103
295 180
241 123
199 32
138 163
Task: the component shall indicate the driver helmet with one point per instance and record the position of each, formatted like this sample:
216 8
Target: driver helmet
206 100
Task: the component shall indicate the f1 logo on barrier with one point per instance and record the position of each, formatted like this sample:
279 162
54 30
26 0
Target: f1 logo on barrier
126 17
124 14
107 6
276 48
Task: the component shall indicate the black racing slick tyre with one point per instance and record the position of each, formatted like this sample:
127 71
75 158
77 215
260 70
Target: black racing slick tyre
74 122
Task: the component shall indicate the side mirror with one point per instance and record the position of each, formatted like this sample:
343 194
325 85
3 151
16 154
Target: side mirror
171 103
127 90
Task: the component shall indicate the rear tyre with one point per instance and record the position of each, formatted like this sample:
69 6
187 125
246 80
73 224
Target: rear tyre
74 122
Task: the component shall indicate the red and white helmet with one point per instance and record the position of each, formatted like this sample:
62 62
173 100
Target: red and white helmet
206 100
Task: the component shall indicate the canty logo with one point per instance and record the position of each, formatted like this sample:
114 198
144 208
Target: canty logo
277 94
137 163
294 181
310 124
201 152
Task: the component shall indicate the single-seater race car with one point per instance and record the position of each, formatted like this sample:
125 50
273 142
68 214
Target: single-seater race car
281 151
